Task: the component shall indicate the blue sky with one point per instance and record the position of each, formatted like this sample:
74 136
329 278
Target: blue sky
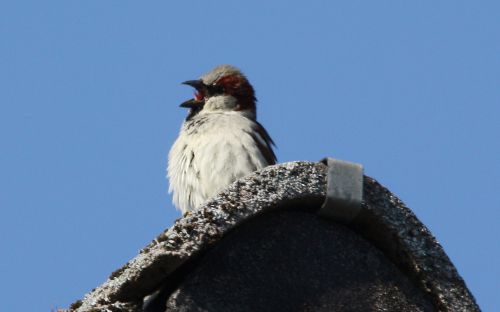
89 95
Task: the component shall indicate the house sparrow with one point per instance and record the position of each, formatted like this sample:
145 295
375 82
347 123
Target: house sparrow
220 141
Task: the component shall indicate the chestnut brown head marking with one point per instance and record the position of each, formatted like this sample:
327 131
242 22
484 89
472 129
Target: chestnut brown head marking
238 86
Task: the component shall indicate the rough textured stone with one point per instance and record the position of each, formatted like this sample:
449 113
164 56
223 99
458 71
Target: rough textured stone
295 261
384 221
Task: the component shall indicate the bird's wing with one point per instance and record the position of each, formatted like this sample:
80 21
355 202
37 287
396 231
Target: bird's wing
264 143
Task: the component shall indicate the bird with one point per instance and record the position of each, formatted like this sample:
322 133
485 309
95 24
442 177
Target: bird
220 140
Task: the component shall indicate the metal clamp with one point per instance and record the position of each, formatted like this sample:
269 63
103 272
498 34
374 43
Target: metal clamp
344 190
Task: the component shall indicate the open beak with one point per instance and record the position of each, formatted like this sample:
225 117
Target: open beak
196 102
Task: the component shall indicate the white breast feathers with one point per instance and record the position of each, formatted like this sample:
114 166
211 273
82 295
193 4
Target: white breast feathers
212 151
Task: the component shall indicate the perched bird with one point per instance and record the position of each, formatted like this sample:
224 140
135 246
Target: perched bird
220 140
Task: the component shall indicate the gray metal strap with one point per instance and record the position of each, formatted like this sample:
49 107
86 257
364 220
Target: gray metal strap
344 190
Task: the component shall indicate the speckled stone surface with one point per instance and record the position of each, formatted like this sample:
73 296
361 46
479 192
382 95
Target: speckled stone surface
294 261
384 221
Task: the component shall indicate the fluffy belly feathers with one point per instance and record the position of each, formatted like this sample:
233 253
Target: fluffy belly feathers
210 153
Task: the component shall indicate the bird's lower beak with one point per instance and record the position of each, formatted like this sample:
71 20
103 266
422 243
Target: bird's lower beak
193 103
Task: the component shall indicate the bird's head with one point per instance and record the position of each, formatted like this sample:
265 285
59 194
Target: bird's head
224 88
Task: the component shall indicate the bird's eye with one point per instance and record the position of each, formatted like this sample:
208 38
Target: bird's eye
215 89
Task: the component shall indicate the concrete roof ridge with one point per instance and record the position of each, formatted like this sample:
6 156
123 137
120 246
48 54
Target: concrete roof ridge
383 220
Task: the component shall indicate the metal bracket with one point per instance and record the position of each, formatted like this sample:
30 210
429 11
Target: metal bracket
344 190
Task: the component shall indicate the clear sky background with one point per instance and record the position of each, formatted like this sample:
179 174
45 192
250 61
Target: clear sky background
89 95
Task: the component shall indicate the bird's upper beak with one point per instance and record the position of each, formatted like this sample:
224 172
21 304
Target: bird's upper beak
197 84
199 99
